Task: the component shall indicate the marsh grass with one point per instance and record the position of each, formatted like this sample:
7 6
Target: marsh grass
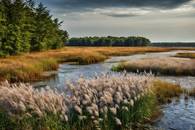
29 67
160 66
28 70
185 55
84 59
191 92
105 102
48 122
166 91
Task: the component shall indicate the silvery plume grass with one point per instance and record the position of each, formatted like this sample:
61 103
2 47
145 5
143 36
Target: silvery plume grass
24 103
22 98
107 101
111 101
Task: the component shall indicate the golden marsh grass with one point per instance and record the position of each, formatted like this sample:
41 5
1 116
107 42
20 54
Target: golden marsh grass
166 91
186 55
29 67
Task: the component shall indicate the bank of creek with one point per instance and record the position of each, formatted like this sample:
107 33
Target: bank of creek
178 115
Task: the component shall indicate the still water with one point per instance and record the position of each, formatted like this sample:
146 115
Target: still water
179 115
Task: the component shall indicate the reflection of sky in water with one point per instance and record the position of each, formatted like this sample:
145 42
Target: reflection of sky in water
184 81
178 115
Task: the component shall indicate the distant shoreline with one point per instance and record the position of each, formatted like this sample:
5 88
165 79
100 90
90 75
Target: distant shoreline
173 44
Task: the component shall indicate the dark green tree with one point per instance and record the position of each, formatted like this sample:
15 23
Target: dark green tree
25 28
109 41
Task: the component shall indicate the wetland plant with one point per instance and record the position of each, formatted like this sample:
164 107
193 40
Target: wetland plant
104 102
159 66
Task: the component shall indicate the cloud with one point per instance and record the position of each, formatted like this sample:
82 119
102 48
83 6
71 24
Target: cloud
87 5
121 15
185 8
149 18
121 12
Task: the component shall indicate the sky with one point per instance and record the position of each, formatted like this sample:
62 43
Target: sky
158 20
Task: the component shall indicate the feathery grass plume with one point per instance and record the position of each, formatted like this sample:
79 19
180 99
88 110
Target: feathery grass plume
108 96
106 101
24 105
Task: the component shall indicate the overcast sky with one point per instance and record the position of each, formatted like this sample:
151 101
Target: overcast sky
158 20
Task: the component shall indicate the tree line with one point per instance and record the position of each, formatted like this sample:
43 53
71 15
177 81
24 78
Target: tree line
174 44
25 27
109 41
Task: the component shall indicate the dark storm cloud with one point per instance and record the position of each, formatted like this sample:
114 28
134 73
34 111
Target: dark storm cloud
84 5
120 15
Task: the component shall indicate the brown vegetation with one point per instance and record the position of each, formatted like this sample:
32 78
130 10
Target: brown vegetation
29 67
192 92
160 66
186 55
166 91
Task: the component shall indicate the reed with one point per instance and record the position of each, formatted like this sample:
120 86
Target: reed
22 107
105 102
108 101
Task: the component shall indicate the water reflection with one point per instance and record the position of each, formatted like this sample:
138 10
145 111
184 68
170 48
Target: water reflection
178 115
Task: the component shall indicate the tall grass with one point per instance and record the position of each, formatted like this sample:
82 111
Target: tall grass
166 91
22 107
160 66
185 55
26 70
105 102
29 67
86 58
191 92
